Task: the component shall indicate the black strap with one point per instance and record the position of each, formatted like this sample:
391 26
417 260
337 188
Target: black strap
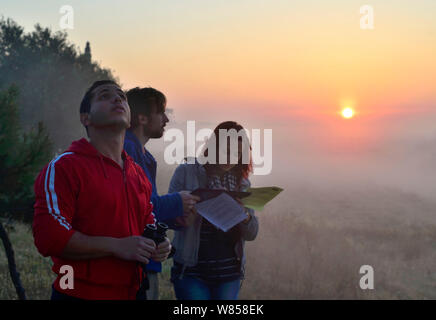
144 286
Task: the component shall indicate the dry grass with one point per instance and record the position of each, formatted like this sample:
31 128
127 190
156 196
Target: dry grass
35 270
310 246
318 256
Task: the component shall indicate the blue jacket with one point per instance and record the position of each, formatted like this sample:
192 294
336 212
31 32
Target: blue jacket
167 207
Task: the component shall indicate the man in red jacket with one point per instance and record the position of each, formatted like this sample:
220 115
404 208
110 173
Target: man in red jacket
92 204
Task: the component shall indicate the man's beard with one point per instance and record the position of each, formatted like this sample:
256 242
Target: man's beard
153 134
116 124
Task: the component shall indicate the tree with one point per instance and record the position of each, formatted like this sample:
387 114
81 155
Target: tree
87 53
52 76
21 157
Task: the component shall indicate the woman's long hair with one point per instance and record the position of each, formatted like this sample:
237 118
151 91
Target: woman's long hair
240 170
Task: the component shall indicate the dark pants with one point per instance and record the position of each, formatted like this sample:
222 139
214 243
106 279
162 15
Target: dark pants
189 288
58 296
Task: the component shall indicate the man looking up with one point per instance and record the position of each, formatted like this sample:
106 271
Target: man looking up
92 204
148 122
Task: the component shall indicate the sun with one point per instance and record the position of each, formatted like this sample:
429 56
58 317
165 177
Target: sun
347 113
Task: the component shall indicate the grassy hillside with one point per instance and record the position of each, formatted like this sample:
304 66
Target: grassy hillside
314 246
35 270
311 245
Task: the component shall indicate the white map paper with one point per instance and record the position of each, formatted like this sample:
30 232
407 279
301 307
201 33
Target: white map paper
222 211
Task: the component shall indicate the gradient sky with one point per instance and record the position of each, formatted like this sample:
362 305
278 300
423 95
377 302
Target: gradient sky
262 62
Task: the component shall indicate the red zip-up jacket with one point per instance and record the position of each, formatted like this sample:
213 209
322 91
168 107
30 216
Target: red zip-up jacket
85 191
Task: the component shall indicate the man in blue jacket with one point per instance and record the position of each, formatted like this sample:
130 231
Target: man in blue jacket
148 120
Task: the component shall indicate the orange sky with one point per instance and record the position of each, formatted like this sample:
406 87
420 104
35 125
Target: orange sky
262 62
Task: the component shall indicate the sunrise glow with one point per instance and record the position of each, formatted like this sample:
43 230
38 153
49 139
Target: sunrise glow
347 113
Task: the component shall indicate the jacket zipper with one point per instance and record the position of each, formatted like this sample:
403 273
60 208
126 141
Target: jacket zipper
138 276
126 197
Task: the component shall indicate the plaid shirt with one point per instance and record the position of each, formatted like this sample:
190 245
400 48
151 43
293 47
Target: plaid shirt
226 181
217 260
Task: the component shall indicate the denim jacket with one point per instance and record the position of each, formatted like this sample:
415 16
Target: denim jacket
187 240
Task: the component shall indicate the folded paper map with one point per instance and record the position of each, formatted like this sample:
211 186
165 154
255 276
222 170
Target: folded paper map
259 197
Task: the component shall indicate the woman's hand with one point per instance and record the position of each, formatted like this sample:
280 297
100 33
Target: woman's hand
245 210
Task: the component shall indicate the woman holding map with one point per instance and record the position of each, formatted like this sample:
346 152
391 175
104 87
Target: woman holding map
209 259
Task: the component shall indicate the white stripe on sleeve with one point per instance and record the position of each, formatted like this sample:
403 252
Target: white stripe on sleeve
54 211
